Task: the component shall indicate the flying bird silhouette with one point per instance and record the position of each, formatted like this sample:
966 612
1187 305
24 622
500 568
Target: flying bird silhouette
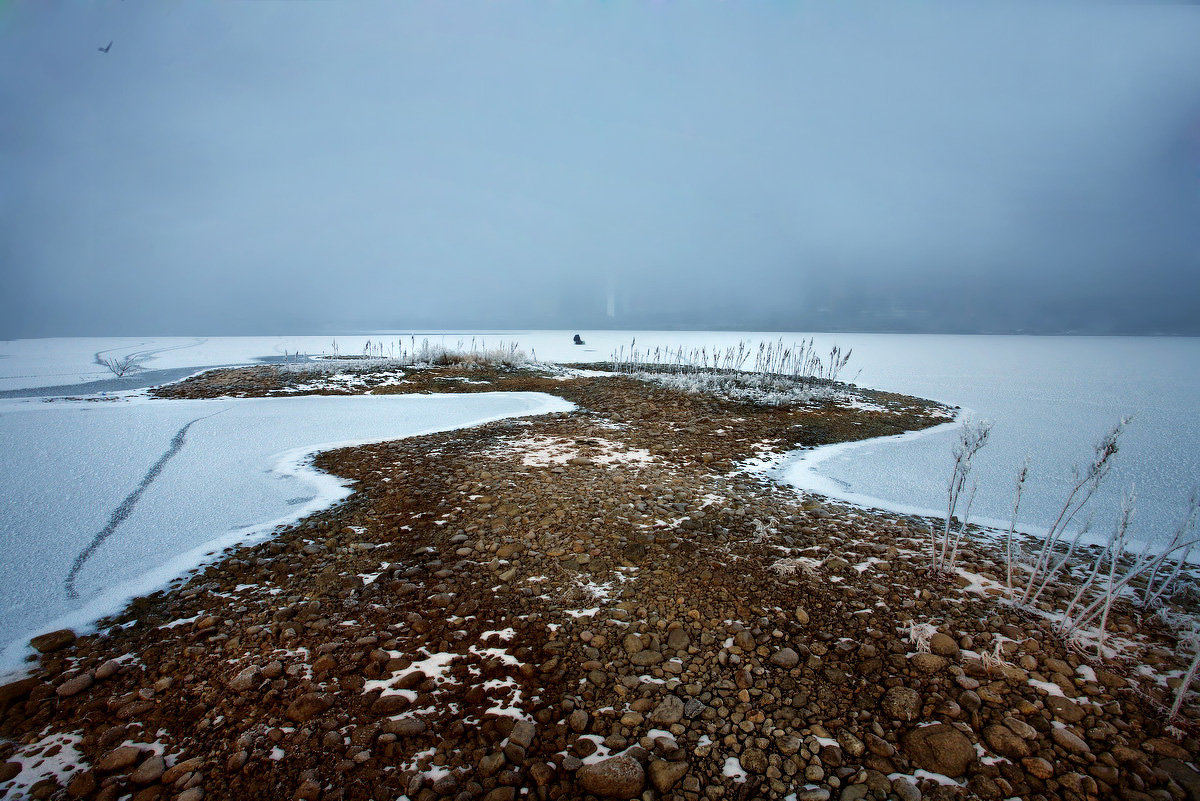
106 48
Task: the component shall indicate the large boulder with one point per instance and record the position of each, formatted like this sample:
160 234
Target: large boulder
616 777
940 748
53 641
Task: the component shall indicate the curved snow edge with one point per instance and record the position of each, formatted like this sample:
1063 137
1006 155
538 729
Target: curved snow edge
297 463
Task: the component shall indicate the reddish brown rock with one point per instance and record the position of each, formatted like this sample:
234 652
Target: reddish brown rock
308 706
940 748
119 758
615 777
53 641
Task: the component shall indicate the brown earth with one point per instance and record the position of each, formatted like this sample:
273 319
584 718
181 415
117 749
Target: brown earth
495 607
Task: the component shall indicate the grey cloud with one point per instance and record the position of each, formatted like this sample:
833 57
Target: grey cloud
269 167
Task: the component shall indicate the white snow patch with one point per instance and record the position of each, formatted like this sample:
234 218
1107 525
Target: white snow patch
504 634
916 776
733 769
53 756
1048 687
543 451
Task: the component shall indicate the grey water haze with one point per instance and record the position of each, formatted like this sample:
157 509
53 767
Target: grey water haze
271 167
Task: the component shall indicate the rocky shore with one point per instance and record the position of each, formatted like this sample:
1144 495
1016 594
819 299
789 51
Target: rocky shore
611 603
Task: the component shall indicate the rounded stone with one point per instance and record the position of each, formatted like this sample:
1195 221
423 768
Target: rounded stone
901 703
940 748
118 758
53 641
149 771
665 775
616 777
1005 742
1068 741
785 658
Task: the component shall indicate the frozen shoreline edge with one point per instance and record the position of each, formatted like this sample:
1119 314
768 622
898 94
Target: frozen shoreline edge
799 470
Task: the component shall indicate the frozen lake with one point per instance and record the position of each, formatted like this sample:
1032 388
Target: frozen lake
68 465
238 471
1049 398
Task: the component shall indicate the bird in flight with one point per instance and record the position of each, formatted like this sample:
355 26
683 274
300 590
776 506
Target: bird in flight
106 48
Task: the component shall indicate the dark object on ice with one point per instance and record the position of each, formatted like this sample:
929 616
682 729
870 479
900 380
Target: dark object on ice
578 341
106 48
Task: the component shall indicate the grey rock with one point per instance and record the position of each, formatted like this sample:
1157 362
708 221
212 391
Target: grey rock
74 686
906 790
1064 708
119 758
646 658
245 680
850 744
53 641
308 706
928 663
501 794
1005 742
403 727
670 710
785 658
107 670
490 764
812 794
522 733
944 645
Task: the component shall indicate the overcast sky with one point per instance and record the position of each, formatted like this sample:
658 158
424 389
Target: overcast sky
306 167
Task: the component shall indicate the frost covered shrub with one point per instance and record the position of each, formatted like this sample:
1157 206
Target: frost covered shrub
477 355
121 366
441 356
749 387
781 374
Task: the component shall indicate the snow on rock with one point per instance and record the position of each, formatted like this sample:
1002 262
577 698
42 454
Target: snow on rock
54 756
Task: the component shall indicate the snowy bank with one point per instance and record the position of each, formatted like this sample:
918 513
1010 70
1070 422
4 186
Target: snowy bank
242 468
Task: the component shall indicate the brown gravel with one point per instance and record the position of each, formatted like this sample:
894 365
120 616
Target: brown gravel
476 623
